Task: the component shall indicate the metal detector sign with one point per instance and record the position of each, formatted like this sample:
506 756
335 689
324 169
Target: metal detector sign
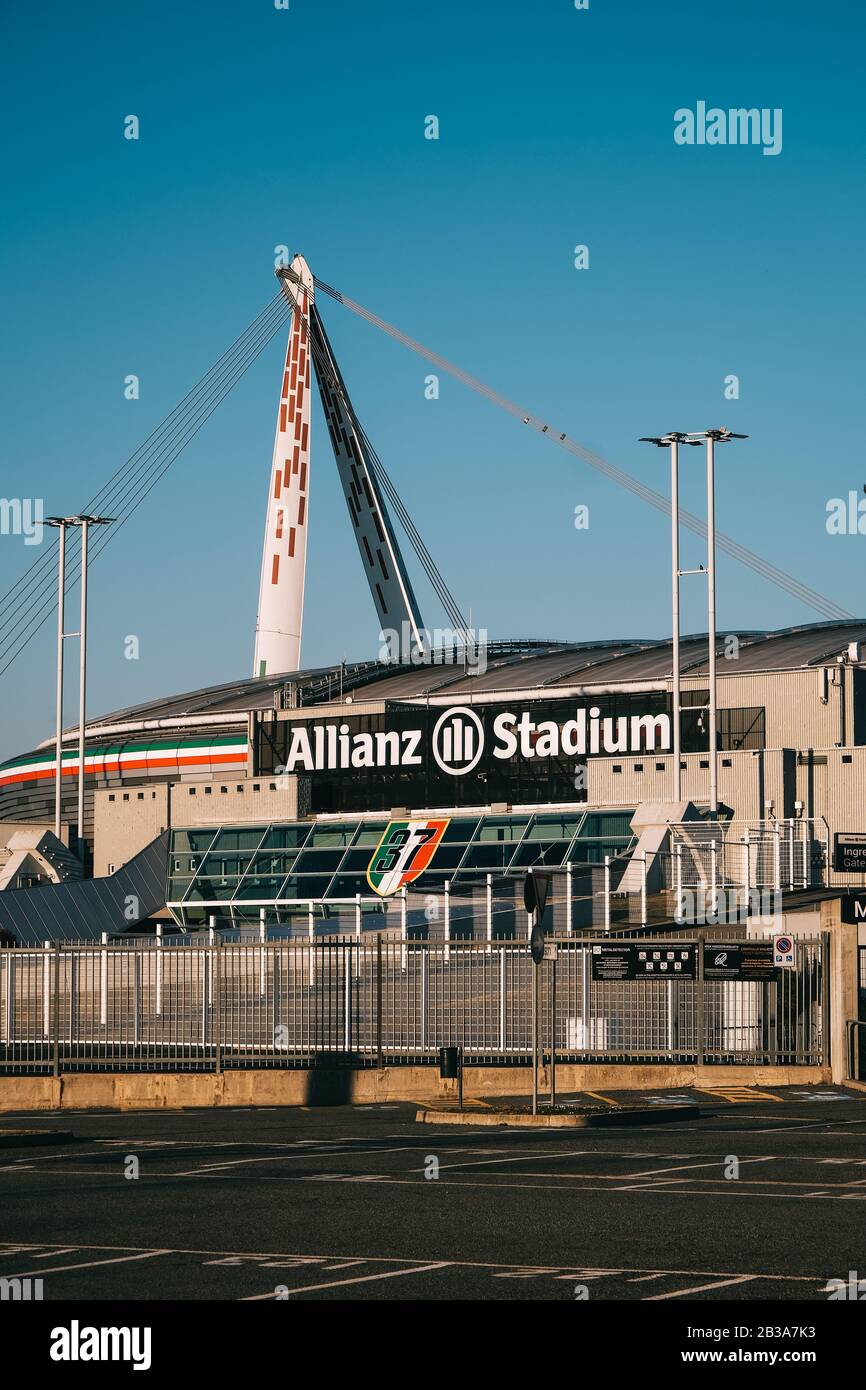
747 960
849 852
662 960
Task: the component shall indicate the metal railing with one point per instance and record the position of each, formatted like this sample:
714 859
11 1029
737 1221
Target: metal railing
378 1000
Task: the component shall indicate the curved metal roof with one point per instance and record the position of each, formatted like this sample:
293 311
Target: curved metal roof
511 665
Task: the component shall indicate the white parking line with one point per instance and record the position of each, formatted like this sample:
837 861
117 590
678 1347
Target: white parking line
90 1264
342 1283
699 1288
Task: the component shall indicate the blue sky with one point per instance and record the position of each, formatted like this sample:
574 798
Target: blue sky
306 127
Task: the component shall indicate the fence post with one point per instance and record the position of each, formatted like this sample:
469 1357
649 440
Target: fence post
790 851
643 921
607 892
103 981
425 990
379 999
217 1013
678 855
447 918
46 992
503 986
807 852
347 997
777 859
136 997
714 878
311 934
701 989
569 906
10 994
263 936
56 1009
404 926
489 901
73 994
358 914
158 971
747 873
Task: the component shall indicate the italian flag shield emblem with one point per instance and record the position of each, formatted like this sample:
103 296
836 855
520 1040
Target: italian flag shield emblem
403 853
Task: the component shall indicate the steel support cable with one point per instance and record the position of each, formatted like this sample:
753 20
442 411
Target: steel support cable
425 558
253 351
826 606
380 473
44 576
123 470
195 417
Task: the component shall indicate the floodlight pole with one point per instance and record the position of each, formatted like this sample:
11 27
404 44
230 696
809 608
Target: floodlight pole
82 684
675 609
711 623
58 745
61 523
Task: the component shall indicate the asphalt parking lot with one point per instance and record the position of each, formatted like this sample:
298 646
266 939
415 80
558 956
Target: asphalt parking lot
363 1203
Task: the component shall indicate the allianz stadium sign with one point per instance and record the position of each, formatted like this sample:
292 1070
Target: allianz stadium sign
458 740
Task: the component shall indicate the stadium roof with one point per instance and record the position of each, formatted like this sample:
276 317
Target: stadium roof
511 665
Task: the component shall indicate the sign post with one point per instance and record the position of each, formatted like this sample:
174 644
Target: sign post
535 890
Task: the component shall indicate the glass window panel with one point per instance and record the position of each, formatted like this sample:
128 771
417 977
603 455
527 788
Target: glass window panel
549 827
370 834
511 828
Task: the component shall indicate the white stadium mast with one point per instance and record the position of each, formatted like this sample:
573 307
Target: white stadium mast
281 591
284 558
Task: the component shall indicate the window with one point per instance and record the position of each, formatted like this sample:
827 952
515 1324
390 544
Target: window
846 757
126 796
617 767
111 866
192 791
272 786
238 788
208 791
660 767
726 762
111 797
141 796
256 787
705 762
638 767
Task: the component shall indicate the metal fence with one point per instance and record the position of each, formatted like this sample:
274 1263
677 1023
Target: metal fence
376 1000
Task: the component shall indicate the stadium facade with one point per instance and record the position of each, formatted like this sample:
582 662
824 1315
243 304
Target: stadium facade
297 792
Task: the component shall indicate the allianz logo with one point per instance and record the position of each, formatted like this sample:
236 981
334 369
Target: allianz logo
77 1343
458 741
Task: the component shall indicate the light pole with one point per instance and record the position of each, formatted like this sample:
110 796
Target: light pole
712 437
672 441
61 523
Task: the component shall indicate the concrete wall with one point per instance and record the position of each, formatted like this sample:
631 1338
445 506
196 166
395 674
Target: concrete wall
336 1086
126 821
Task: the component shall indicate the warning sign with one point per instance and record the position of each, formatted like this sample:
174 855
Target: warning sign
746 960
656 961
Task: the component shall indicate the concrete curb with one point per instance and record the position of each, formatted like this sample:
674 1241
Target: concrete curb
600 1119
24 1138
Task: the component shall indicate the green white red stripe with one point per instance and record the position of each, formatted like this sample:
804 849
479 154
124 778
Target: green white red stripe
115 760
